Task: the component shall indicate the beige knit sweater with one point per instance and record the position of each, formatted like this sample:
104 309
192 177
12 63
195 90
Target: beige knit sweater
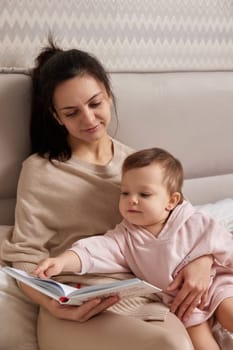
60 202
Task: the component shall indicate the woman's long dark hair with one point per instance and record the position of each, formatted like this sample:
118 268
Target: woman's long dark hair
54 66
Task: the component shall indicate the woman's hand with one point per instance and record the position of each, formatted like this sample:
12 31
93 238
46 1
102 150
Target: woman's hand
83 312
193 283
80 313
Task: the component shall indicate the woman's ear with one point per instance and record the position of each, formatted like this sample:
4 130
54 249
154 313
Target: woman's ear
174 200
55 116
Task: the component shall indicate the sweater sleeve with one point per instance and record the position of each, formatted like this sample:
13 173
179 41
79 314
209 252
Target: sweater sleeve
28 243
208 238
102 254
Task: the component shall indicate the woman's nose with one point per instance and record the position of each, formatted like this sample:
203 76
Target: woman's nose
88 115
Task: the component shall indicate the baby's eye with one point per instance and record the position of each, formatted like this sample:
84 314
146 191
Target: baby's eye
124 193
144 194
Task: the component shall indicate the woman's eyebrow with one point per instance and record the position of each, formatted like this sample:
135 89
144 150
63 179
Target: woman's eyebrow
97 94
75 107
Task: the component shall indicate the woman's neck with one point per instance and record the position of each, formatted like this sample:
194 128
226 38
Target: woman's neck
99 152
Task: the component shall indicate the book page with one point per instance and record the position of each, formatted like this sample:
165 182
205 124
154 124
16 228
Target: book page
126 288
66 294
55 288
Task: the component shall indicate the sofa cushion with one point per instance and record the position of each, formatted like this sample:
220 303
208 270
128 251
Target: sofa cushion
14 137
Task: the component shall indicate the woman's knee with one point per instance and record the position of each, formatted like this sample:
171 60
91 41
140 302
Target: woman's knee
174 335
174 341
110 331
17 317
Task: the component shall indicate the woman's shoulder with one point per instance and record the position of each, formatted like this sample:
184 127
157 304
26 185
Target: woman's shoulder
122 147
34 161
35 166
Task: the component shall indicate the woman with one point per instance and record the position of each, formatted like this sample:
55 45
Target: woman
69 189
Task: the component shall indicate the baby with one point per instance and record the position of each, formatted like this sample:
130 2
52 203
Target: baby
160 233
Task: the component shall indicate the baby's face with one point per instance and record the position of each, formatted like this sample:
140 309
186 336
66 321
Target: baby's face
144 198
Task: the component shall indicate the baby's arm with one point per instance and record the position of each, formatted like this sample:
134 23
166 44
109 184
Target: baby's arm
67 261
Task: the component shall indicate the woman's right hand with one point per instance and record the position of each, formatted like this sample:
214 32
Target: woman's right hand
80 313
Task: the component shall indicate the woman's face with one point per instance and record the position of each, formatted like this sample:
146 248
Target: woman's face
83 106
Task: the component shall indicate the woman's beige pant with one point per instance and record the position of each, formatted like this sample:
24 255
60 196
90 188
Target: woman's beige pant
110 331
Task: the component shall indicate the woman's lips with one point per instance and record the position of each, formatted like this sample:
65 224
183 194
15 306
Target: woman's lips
92 129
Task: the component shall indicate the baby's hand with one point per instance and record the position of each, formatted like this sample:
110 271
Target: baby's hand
48 267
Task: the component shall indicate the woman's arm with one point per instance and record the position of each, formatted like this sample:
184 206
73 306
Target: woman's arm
193 283
33 230
80 313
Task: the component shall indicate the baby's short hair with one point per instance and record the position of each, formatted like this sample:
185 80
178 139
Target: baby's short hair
172 167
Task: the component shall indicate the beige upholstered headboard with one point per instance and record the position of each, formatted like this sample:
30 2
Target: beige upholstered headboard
171 66
188 113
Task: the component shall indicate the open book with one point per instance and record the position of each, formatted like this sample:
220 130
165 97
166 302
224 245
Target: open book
66 294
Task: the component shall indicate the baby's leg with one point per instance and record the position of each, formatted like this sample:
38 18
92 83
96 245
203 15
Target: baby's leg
202 337
224 314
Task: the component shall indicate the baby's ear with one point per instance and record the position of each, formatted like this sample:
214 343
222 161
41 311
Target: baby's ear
174 200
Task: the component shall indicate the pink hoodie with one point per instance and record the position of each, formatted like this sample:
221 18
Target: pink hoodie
187 235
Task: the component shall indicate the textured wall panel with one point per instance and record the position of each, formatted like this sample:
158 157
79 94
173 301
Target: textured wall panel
127 35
